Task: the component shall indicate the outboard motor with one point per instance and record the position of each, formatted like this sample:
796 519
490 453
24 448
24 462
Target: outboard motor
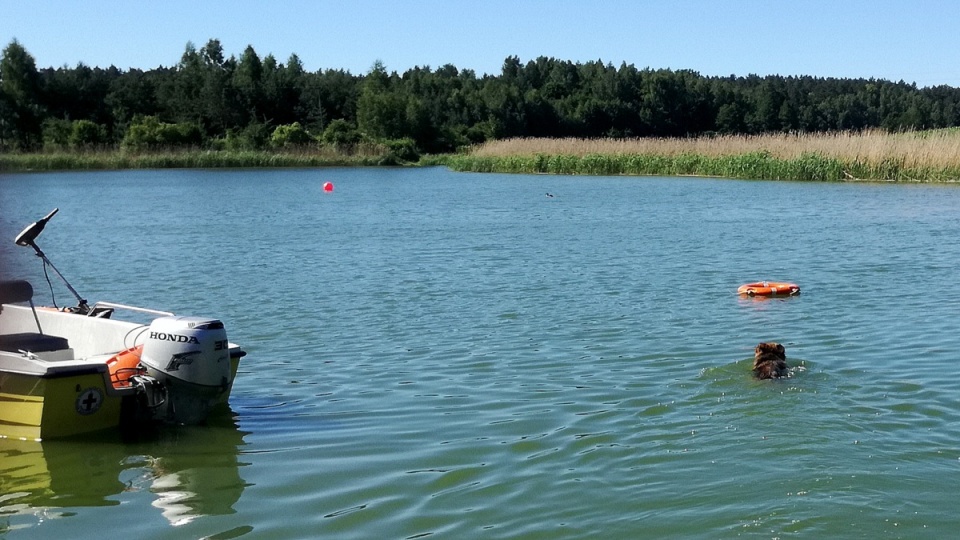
190 357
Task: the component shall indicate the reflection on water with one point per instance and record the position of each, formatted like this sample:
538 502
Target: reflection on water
189 472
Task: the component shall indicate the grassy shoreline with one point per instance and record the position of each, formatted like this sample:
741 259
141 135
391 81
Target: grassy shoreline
930 156
183 159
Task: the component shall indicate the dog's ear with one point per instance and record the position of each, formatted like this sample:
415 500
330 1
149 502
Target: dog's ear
781 350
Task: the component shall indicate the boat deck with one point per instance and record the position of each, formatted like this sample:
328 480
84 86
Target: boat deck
50 364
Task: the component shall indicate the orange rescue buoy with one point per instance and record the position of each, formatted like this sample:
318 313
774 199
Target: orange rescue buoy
124 365
769 288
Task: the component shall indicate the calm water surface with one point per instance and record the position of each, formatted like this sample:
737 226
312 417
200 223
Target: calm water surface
447 355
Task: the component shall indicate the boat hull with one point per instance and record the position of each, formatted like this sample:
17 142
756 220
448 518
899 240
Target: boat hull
36 407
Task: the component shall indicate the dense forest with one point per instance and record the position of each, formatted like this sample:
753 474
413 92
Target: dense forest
209 100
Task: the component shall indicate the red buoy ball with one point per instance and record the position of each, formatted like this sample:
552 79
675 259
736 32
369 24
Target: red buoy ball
328 186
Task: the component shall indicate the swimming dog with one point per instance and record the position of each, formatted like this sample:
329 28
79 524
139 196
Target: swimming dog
770 361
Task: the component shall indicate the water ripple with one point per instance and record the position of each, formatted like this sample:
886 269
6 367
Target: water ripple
434 354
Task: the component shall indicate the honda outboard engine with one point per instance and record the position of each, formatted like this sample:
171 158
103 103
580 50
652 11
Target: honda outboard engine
190 358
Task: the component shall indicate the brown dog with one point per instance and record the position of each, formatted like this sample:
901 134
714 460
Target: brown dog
770 361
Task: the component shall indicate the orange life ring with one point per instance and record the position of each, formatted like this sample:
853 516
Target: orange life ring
769 288
124 365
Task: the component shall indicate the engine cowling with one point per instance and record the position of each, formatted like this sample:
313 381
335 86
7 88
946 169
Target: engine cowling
190 357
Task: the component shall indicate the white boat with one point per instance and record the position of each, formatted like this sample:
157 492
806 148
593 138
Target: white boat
76 370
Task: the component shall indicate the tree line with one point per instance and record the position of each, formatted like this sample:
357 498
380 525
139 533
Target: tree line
209 100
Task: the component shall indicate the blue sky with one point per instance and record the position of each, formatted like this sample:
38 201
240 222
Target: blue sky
913 40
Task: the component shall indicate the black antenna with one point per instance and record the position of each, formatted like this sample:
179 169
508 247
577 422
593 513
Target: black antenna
29 236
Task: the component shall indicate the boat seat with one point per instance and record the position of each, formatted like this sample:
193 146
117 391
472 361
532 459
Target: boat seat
19 291
15 291
32 342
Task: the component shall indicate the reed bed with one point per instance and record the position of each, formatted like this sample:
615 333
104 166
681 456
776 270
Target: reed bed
872 156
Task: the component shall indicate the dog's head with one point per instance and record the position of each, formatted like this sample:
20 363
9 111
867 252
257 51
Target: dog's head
770 361
766 352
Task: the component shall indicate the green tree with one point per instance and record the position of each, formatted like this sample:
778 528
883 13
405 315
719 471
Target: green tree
290 135
340 134
56 133
8 117
79 93
248 82
731 116
381 107
182 93
133 94
20 111
86 134
220 109
149 133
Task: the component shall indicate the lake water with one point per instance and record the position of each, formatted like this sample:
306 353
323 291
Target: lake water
444 355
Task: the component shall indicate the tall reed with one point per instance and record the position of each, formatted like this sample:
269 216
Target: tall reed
870 155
